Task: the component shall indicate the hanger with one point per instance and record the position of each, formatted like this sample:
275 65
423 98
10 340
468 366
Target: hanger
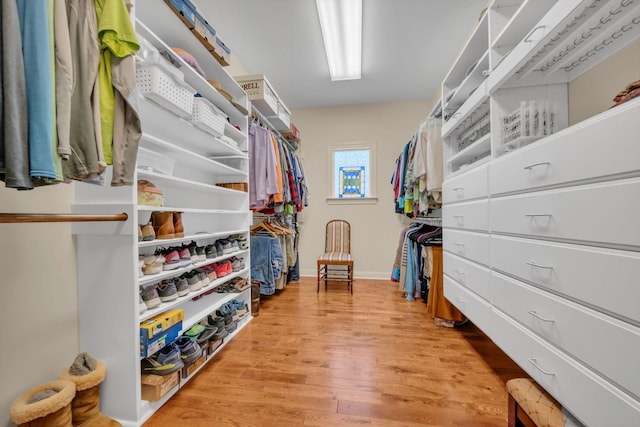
262 227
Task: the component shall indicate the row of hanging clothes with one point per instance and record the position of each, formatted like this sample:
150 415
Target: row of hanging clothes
67 104
274 252
417 177
418 271
277 180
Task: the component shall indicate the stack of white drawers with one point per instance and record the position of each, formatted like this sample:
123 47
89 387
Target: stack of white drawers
542 252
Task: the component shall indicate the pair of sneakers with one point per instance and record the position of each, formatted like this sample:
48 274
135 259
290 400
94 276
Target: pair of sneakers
173 357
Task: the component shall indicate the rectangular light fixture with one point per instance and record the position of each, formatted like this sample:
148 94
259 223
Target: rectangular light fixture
341 23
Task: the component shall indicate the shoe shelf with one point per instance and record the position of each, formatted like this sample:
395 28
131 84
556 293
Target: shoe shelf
181 182
148 408
142 208
188 238
158 17
188 299
157 277
478 150
199 309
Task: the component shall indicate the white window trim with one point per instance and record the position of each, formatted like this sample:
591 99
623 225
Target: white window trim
372 198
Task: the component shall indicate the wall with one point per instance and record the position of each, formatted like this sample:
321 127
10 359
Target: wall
374 227
593 92
39 305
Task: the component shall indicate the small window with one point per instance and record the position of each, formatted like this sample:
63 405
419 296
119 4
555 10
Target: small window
353 175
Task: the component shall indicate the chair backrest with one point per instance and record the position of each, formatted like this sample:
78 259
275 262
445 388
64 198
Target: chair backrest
338 236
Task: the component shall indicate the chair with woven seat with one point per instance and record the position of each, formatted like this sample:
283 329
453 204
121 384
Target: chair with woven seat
337 254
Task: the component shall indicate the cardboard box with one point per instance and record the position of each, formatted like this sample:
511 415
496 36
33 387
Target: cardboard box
260 93
156 386
188 370
150 346
240 186
160 331
204 32
185 10
214 345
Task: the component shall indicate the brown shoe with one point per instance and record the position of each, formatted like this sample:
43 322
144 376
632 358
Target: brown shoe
177 224
163 225
147 232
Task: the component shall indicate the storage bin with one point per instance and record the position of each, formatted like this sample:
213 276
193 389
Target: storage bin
208 117
222 52
204 32
189 370
156 386
529 122
260 93
185 10
155 162
282 120
158 84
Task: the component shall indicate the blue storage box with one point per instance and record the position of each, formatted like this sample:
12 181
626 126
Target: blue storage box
149 346
185 10
222 52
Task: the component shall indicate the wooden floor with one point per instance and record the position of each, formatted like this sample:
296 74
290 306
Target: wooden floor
332 359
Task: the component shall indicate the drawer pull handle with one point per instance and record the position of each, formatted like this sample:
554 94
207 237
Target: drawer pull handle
528 38
460 300
461 276
536 215
460 247
534 362
458 189
533 264
536 164
537 316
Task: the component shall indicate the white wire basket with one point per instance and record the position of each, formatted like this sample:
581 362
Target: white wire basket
208 117
162 87
529 122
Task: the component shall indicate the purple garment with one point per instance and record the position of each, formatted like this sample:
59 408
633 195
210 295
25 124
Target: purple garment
262 167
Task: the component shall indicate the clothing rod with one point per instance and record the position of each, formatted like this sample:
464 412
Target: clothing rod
271 127
6 218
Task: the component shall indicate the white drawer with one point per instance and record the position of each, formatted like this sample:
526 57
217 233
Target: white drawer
593 400
602 146
581 213
575 329
603 278
469 185
473 246
468 215
467 273
473 307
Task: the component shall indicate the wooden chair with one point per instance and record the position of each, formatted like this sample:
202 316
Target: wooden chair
337 252
531 406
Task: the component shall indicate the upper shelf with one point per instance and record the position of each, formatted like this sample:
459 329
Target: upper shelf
469 57
160 26
523 19
570 39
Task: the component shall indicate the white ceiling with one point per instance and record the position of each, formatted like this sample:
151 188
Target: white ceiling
408 47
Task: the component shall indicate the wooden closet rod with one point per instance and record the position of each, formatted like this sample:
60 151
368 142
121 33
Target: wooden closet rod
51 217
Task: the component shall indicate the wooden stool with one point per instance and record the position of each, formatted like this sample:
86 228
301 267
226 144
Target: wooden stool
531 406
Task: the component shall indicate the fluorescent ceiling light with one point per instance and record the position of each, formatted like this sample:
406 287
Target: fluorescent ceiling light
341 23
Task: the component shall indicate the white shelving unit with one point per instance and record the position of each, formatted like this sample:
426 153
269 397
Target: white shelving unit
523 256
107 253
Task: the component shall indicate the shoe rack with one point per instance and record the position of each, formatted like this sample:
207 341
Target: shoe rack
107 252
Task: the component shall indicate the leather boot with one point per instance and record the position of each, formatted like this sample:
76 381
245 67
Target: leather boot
163 224
177 224
87 374
51 411
148 233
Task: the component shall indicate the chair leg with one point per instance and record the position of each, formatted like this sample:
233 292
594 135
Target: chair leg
318 288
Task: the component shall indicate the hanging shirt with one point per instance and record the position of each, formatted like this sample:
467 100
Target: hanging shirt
118 38
63 77
84 158
262 167
57 161
277 197
14 160
34 22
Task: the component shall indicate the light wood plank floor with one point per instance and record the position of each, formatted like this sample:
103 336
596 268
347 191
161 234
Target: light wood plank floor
330 359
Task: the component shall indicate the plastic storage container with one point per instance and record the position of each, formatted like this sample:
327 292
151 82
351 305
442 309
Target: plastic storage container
164 88
208 117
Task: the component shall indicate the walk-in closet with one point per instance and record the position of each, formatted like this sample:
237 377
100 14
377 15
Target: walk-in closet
320 213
